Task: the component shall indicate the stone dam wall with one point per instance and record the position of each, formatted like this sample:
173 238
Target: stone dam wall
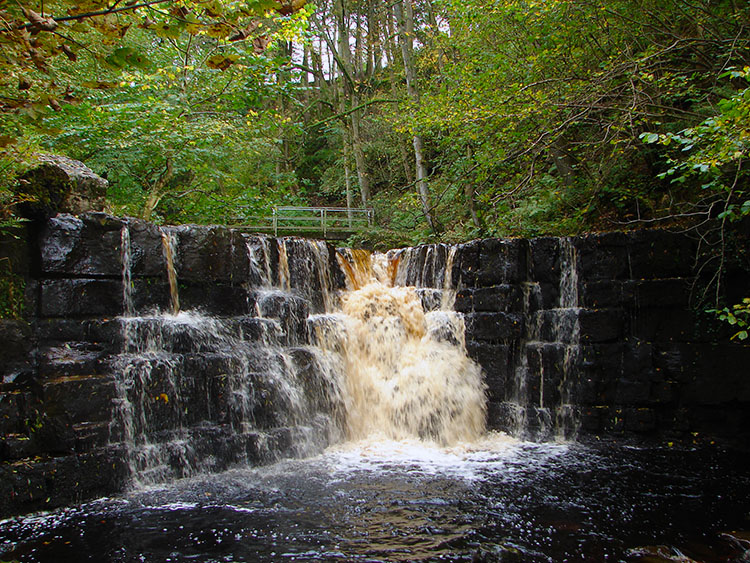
588 335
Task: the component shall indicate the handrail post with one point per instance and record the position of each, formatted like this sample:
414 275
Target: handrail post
323 219
275 223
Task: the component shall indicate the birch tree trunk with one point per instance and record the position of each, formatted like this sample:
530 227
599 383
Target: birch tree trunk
405 20
349 87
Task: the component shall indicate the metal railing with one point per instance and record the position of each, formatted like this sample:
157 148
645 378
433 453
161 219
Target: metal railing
324 220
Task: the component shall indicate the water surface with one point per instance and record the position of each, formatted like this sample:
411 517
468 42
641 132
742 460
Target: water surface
500 500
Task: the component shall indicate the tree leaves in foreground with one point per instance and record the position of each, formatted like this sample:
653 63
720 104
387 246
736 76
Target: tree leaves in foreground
151 91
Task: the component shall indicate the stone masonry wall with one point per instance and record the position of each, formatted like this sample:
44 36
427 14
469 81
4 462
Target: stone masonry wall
629 355
646 361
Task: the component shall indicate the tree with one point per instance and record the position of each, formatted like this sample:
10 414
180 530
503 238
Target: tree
165 89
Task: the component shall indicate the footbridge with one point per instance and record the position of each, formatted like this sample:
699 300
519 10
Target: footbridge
335 223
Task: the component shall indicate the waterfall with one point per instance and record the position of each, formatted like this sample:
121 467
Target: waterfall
540 396
407 372
169 248
566 416
326 347
196 393
284 276
126 257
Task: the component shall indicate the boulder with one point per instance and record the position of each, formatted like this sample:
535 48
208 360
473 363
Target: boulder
60 185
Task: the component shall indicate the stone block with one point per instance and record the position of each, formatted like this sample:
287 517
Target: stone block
661 293
505 327
497 363
216 299
90 436
600 294
673 325
79 398
603 256
544 260
660 254
289 310
550 362
206 254
593 417
638 362
502 261
664 392
150 295
640 420
146 249
503 298
554 325
601 325
466 264
60 184
73 358
76 246
633 392
544 296
464 302
606 357
81 298
33 485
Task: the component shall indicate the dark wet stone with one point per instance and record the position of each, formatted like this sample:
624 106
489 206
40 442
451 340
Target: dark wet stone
502 261
603 256
544 259
660 254
601 325
69 245
81 298
504 327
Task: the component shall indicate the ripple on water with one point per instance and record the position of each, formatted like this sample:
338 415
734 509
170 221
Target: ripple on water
503 500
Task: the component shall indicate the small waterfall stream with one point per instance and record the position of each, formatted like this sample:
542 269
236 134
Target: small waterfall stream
197 392
540 404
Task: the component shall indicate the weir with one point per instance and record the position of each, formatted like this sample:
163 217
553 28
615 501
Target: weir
160 353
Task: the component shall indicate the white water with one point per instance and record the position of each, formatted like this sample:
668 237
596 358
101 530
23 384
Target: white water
407 373
381 370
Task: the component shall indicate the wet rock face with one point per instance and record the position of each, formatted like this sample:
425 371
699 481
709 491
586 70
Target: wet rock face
640 358
96 358
594 334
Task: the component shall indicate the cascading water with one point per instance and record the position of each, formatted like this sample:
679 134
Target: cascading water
407 372
540 404
389 371
196 392
169 246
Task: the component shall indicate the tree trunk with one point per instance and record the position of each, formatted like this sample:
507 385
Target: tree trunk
469 193
349 90
359 155
405 19
157 190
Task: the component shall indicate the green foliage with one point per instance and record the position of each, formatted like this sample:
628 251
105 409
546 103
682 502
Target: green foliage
537 116
738 316
12 289
714 151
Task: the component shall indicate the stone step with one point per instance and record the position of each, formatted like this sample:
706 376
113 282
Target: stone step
79 398
71 359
